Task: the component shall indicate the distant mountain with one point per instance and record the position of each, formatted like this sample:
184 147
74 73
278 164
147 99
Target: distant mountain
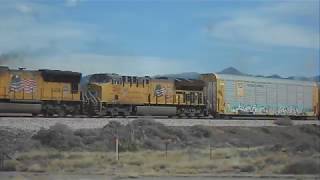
300 78
274 76
231 70
234 71
316 78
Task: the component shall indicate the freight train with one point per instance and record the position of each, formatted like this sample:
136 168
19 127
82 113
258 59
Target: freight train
53 93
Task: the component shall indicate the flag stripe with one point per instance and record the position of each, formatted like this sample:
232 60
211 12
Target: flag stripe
26 85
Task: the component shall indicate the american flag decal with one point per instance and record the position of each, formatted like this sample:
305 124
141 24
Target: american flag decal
23 85
159 91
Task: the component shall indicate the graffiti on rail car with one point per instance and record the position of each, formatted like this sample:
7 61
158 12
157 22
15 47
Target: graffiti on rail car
267 109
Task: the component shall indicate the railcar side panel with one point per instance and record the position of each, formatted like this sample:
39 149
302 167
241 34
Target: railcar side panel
264 97
245 95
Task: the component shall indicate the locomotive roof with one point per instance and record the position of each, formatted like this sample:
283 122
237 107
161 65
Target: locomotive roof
107 77
60 76
189 84
4 68
263 79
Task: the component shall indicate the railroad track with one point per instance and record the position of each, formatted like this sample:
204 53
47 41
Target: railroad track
30 123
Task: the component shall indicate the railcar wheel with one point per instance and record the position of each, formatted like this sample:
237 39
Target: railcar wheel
61 112
34 114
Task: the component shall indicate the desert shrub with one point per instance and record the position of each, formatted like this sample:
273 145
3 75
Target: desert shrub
272 161
311 129
10 165
35 168
150 144
302 147
287 136
178 133
127 146
145 122
152 131
83 164
59 136
158 167
286 121
201 131
56 155
113 125
75 156
247 168
302 167
87 132
276 147
265 130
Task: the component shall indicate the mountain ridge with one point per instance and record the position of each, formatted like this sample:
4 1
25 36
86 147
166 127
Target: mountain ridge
234 71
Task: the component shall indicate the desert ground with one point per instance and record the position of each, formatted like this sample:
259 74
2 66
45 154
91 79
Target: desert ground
151 150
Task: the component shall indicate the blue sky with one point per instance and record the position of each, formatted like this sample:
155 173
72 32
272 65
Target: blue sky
160 37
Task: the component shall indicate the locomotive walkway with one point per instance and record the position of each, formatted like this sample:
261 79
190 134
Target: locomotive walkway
29 123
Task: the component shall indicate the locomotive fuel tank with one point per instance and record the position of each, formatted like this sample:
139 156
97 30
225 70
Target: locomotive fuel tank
156 110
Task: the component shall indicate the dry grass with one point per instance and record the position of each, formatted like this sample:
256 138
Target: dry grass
156 163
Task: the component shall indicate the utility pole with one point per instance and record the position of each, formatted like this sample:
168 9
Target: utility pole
210 152
117 147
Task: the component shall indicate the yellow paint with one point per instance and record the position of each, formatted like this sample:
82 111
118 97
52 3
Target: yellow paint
43 91
4 76
145 93
220 96
58 91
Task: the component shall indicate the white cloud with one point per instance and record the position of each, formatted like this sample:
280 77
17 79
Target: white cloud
26 27
24 8
72 3
262 31
89 63
293 8
271 25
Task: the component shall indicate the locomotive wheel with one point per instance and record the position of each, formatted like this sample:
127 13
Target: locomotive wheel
61 113
114 113
34 114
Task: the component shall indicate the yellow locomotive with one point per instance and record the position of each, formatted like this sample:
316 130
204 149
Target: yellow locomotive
112 94
47 92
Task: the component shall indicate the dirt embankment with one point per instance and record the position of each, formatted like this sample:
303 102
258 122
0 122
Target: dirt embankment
286 149
147 134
